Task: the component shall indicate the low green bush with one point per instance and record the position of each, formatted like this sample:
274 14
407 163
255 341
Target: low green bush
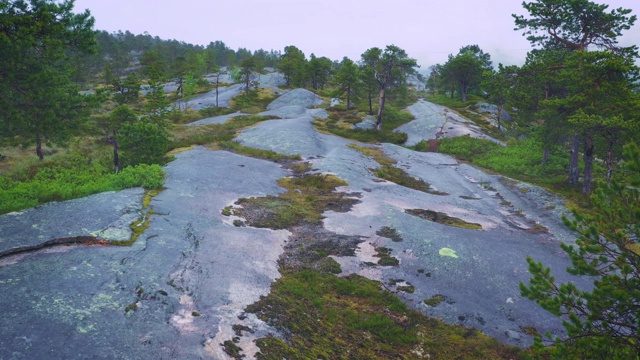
520 159
59 182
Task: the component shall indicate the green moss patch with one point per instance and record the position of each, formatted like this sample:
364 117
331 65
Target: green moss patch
442 218
435 300
307 198
328 317
389 172
385 257
389 233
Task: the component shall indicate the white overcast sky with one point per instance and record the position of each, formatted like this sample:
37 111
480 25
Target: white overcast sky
428 30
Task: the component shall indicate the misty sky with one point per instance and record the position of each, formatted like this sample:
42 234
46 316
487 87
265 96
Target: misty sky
428 30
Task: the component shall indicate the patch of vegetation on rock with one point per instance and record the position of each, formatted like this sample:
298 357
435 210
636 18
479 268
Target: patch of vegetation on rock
442 218
220 136
232 349
339 123
308 196
328 317
389 172
385 257
389 233
435 300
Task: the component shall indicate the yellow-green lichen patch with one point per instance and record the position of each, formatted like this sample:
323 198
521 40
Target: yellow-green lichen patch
139 226
435 300
227 211
442 218
308 196
448 252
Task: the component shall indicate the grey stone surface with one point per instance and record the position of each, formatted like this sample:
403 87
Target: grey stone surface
216 119
369 123
300 97
491 109
106 215
435 121
225 93
69 302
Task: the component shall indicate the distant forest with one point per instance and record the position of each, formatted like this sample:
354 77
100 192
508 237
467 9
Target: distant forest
119 53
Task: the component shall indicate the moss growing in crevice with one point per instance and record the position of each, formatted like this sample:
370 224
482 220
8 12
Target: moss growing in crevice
442 218
388 171
139 226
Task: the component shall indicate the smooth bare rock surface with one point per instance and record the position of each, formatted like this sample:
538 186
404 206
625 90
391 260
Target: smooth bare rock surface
434 121
299 97
179 289
225 93
139 302
216 119
106 216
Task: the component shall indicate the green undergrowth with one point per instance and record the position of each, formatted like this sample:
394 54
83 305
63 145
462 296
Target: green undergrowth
307 197
69 177
520 159
454 103
252 101
340 121
328 317
389 172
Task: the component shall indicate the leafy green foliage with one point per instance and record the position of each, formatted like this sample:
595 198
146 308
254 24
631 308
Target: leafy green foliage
70 178
38 99
520 159
390 66
394 118
601 322
573 25
143 142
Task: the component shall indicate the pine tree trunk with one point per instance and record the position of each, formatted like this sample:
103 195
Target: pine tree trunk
574 171
370 104
609 161
217 85
39 147
348 97
588 164
381 100
545 155
116 160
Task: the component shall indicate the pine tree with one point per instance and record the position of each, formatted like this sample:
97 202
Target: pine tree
601 323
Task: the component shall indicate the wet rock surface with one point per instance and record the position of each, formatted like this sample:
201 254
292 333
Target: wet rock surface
434 121
178 291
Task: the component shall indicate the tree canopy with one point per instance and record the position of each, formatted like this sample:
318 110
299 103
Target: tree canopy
574 24
38 41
